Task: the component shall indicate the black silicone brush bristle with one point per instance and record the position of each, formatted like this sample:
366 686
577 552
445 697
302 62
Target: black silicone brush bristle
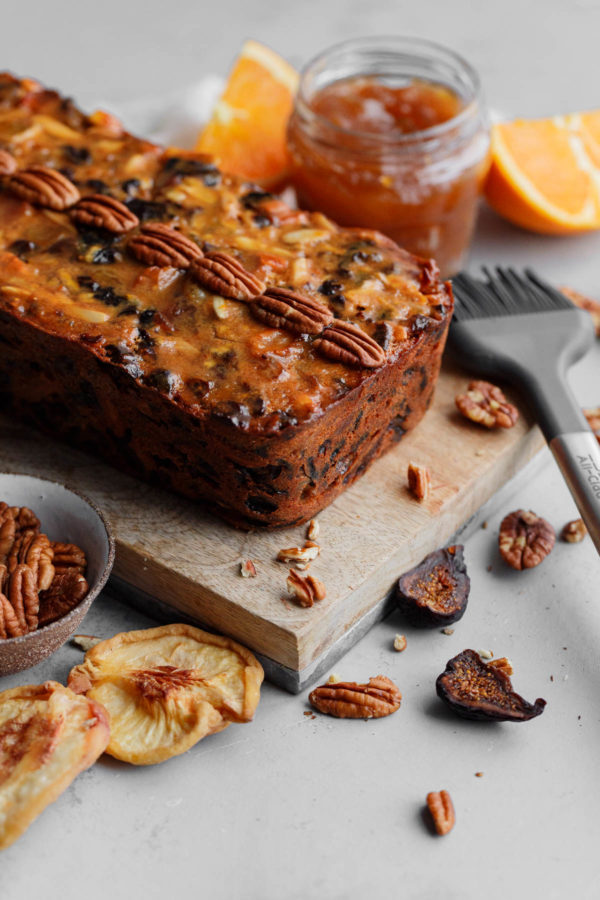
504 293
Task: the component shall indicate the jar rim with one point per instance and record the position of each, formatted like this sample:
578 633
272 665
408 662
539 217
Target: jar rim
420 48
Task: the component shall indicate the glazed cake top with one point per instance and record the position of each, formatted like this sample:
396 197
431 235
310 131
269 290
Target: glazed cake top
165 326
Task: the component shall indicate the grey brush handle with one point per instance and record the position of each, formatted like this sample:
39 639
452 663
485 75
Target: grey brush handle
578 455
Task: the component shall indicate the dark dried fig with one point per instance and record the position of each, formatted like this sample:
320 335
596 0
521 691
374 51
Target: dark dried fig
478 690
436 591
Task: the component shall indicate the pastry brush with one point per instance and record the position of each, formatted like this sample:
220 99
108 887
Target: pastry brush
518 327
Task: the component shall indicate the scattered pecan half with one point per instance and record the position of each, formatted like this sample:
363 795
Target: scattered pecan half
348 700
281 308
419 480
223 274
8 163
306 589
64 594
348 344
44 187
436 591
68 558
593 419
312 530
160 245
33 550
102 211
441 809
574 531
525 539
485 404
583 302
478 690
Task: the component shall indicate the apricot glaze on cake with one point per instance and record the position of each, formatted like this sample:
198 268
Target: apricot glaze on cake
194 330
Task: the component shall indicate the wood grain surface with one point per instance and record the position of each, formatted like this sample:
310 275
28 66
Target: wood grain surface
174 550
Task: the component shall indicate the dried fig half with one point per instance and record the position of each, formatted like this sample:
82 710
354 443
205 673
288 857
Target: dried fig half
48 735
166 688
435 593
478 690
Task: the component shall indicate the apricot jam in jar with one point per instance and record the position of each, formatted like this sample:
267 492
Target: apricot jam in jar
392 134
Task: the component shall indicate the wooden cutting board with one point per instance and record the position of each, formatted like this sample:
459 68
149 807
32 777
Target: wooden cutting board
170 550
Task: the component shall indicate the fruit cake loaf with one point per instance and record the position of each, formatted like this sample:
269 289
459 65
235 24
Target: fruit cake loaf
194 330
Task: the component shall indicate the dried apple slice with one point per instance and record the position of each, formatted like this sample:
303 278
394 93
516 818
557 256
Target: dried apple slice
166 688
48 735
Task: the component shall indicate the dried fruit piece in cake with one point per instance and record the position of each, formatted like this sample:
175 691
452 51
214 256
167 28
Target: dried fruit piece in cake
525 539
485 404
349 700
48 735
436 591
478 690
166 688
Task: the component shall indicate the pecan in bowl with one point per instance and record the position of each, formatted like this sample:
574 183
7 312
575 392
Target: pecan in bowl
349 700
478 690
525 539
485 404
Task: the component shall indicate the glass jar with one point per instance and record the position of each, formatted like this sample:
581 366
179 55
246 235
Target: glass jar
419 187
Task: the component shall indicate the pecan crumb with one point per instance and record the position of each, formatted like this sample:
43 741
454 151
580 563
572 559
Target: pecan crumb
478 774
400 643
85 642
486 654
485 404
441 808
574 531
248 569
504 664
419 480
334 678
306 589
447 630
312 530
304 554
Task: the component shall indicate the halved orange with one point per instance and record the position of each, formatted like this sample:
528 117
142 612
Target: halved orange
545 173
246 133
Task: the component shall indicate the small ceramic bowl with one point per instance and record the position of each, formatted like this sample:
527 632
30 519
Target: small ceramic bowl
69 517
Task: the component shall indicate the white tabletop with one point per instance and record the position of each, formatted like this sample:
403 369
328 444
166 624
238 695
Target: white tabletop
291 806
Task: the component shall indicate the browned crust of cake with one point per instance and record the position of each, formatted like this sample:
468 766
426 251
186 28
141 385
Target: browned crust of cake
249 468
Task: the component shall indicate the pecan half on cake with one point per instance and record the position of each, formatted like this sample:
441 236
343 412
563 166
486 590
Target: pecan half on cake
157 316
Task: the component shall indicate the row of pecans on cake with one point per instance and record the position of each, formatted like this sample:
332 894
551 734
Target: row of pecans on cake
40 580
219 272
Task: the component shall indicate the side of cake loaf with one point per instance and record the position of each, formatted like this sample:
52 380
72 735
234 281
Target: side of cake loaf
148 361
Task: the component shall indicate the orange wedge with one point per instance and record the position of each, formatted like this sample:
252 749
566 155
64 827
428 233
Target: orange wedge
246 133
545 173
